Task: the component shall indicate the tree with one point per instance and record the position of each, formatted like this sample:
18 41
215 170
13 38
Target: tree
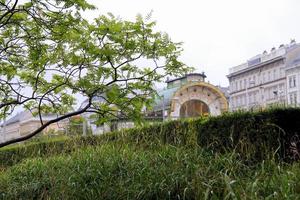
49 53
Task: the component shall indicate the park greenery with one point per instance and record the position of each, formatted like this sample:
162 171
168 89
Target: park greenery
50 54
252 155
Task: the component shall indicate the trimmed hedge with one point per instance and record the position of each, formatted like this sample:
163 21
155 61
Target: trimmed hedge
177 133
252 135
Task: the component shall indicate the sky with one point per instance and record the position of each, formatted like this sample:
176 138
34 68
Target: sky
216 34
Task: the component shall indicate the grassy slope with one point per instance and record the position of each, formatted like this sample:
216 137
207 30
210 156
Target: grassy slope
149 163
114 172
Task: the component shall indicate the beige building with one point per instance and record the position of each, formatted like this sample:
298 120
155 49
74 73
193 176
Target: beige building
24 123
266 79
191 96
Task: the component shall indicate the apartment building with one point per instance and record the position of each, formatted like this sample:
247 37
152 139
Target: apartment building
270 78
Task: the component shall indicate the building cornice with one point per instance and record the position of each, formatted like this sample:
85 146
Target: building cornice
255 66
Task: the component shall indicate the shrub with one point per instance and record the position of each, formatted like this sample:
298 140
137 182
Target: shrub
253 135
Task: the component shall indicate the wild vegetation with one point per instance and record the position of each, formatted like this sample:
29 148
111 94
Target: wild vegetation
238 155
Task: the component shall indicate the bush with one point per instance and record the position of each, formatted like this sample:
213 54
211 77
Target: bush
253 135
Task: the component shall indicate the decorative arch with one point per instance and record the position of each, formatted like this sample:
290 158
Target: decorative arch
193 108
199 91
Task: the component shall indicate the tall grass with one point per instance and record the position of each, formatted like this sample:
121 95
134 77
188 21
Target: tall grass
234 156
168 172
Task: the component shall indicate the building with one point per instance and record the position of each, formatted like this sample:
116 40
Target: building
24 123
184 97
266 79
190 96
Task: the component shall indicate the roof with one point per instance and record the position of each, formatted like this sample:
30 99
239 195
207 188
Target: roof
94 99
225 91
20 118
164 98
256 66
263 59
185 76
296 61
14 119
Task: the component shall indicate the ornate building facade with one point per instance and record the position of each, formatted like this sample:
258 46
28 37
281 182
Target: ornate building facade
267 79
190 96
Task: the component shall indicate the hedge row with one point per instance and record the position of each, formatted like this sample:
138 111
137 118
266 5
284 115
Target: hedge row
251 134
255 134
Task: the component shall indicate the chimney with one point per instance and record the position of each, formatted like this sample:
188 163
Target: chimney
293 42
273 49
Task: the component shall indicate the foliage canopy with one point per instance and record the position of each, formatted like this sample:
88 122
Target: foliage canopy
49 53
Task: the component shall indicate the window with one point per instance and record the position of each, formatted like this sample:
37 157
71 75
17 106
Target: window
242 100
270 93
293 98
292 81
274 74
245 83
250 98
264 77
281 73
269 76
241 87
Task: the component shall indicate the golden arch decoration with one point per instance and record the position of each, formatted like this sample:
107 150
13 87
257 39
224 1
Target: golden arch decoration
221 97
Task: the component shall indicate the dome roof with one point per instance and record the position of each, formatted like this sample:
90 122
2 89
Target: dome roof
164 98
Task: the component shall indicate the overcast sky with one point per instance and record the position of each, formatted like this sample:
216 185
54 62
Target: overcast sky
217 34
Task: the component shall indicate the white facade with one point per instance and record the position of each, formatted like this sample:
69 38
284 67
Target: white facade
293 84
266 79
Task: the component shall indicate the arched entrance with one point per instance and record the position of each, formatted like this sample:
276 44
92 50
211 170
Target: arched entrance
207 97
193 108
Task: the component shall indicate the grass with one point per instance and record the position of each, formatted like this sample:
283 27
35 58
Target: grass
168 172
164 161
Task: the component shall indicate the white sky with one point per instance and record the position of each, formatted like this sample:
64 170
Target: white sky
217 34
